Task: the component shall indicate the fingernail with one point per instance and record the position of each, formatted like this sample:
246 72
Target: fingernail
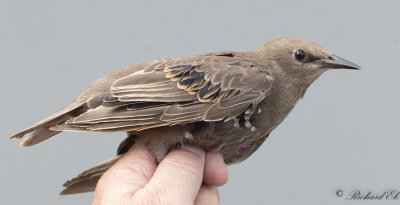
193 149
227 175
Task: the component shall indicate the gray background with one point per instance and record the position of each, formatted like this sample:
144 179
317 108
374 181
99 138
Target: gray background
343 134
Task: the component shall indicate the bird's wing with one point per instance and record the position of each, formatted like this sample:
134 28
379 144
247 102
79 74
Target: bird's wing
91 98
210 87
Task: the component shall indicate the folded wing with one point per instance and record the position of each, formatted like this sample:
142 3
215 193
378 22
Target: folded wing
209 87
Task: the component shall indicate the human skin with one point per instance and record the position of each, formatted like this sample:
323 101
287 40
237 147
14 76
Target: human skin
185 176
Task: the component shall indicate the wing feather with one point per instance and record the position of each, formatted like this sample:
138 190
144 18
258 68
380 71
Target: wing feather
210 87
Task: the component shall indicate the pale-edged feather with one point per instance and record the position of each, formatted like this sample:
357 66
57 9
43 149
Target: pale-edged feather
210 87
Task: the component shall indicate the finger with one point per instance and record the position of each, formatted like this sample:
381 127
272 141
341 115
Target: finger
178 177
208 195
215 170
131 173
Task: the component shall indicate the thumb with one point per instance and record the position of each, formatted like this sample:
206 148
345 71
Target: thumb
131 173
177 178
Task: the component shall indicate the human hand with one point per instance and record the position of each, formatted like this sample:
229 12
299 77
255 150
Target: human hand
184 176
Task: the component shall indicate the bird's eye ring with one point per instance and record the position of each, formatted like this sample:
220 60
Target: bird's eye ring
299 54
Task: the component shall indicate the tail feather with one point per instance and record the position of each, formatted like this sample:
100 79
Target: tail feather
84 186
38 136
41 130
87 180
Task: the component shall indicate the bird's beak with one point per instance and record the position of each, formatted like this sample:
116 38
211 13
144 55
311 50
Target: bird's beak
336 62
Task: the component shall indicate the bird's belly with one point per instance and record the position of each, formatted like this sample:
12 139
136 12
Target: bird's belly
240 137
237 143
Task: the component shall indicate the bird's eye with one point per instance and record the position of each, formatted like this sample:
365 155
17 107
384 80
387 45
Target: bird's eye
299 54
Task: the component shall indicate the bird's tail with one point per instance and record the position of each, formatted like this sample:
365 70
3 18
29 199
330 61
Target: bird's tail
41 130
87 180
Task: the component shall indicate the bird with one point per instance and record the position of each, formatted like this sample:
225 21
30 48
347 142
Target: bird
227 102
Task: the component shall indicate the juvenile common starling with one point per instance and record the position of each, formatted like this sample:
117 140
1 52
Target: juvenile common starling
223 101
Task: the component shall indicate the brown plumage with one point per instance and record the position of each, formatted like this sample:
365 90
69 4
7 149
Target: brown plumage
223 101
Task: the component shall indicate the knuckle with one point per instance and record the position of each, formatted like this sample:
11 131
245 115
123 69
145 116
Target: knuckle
151 194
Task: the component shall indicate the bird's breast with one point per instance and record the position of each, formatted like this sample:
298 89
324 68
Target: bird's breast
241 136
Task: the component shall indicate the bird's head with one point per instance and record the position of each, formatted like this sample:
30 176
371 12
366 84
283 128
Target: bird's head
300 59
